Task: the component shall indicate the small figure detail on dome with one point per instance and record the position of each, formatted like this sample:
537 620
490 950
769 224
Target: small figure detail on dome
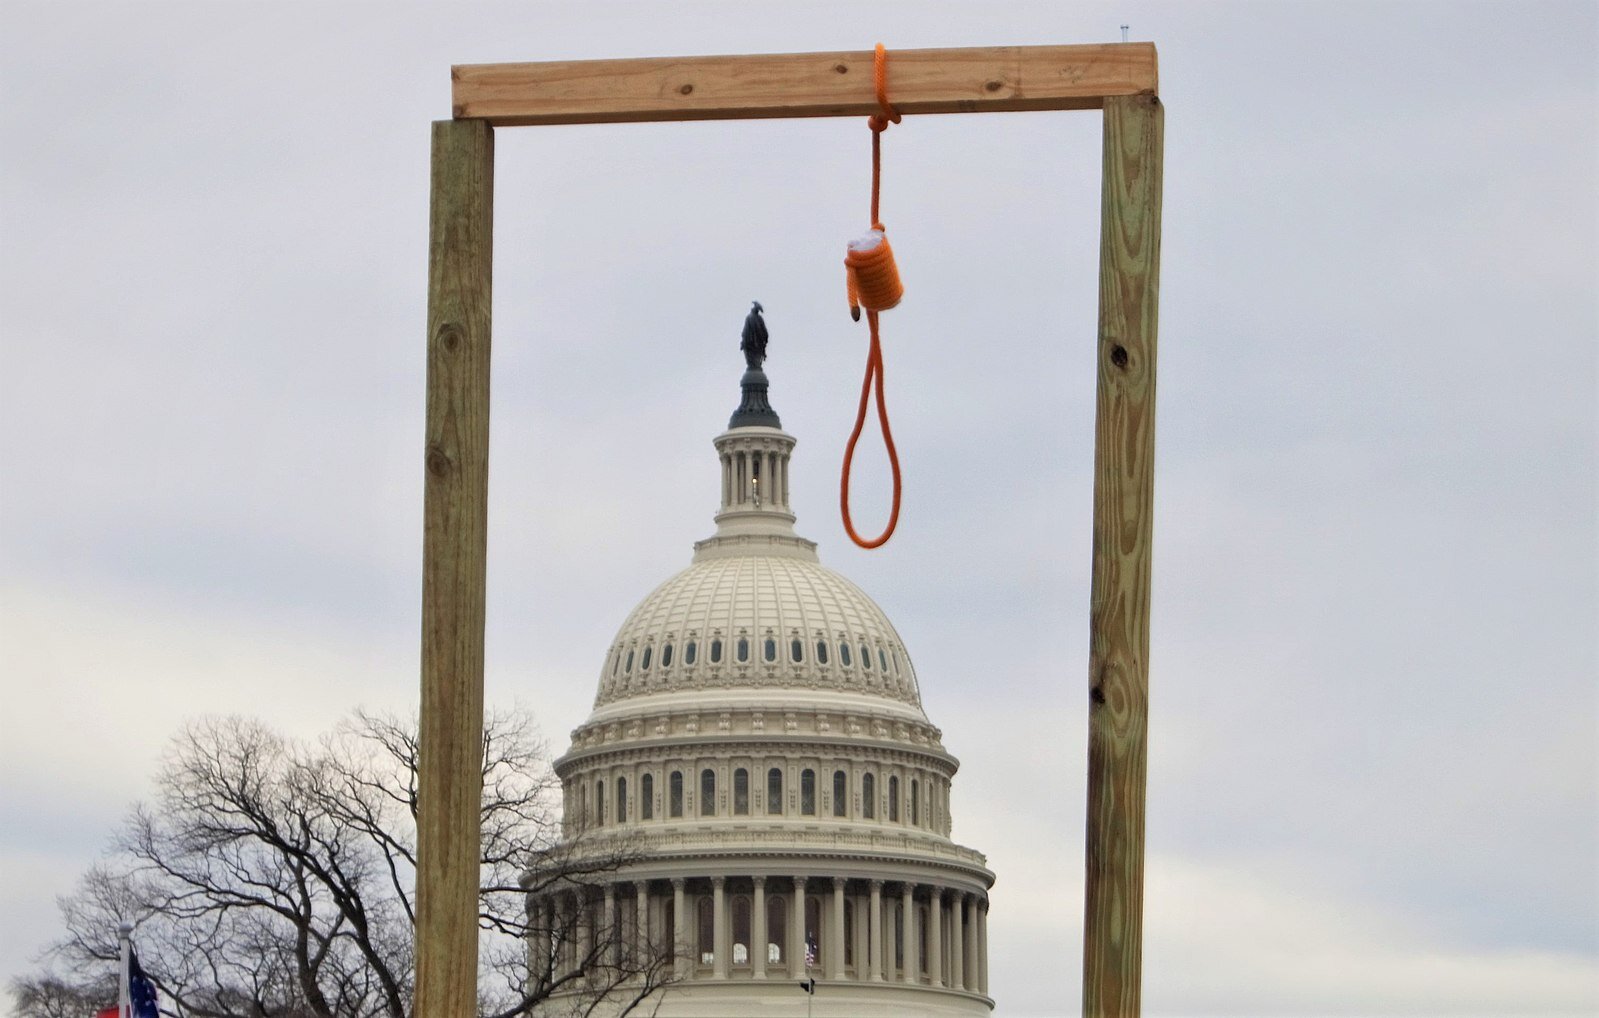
754 410
753 342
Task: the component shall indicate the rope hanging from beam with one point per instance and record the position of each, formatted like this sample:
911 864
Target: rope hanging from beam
872 282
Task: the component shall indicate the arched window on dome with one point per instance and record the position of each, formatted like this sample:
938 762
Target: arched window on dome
774 792
899 924
840 794
869 796
808 792
770 650
621 800
616 664
623 934
716 652
644 662
689 650
628 668
776 929
813 926
796 650
821 652
743 650
741 929
866 657
926 915
843 653
646 797
599 803
741 792
893 799
916 802
707 793
894 656
882 659
707 930
669 917
666 656
583 805
675 794
849 934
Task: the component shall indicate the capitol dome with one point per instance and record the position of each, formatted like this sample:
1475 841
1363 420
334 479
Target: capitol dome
747 626
759 756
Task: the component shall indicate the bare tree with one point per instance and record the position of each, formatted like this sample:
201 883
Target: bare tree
53 997
270 879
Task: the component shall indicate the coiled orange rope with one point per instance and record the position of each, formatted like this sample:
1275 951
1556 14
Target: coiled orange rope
872 282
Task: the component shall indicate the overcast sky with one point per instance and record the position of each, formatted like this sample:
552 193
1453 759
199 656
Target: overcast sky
1374 788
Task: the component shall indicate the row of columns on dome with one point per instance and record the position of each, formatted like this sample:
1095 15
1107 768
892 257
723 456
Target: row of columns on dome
708 928
754 477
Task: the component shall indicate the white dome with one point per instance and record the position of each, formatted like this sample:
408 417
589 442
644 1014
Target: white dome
802 627
759 755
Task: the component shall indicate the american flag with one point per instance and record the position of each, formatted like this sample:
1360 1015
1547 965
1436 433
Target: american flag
810 950
141 993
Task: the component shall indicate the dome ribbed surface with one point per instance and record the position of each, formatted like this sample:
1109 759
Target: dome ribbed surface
757 598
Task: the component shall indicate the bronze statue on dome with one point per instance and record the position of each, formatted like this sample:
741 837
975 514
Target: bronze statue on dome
754 340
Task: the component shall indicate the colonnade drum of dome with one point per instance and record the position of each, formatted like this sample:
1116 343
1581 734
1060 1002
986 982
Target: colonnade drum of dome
774 800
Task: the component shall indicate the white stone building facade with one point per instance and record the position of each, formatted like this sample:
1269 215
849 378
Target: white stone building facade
758 742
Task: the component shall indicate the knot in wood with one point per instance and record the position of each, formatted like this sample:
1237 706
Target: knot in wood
438 462
450 337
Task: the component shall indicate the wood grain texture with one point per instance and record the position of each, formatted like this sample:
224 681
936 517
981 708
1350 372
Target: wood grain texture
454 548
989 79
1124 475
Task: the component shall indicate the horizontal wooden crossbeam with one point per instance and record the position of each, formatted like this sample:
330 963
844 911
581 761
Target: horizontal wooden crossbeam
987 79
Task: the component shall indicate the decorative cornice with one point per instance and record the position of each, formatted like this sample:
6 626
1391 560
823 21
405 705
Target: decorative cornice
843 730
661 854
799 747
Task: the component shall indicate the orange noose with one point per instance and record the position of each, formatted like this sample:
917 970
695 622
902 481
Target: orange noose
872 282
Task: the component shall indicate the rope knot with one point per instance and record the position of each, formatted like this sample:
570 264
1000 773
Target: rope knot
889 115
873 277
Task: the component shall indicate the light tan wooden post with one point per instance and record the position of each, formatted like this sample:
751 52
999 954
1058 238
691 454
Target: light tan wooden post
454 547
1124 475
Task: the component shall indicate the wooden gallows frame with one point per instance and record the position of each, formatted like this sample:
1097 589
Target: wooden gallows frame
1118 78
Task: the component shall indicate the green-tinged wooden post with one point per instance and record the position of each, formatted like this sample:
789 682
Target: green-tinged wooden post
1124 502
454 550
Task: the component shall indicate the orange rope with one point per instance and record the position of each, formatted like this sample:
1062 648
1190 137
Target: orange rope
872 281
874 372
